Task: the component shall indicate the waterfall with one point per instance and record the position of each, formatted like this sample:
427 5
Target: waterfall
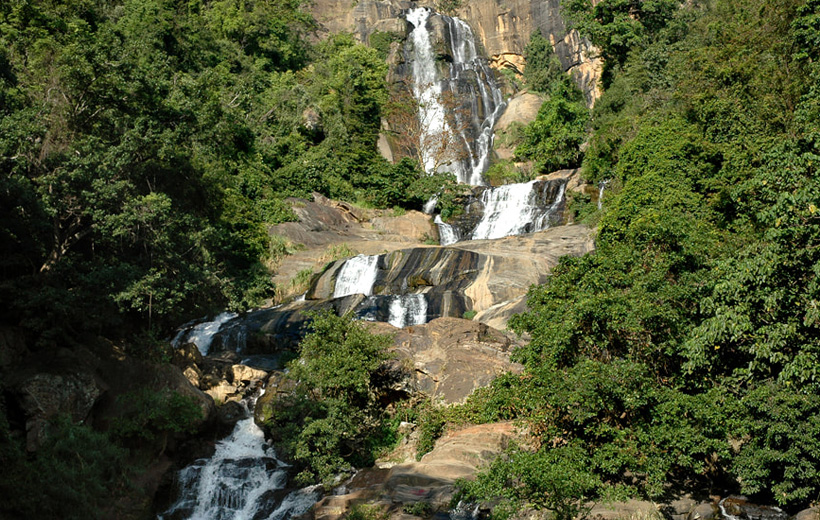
408 309
357 276
201 334
447 233
238 482
514 209
601 186
471 79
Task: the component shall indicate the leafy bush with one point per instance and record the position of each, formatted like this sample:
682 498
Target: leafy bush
431 421
557 479
332 421
73 475
149 417
543 67
553 141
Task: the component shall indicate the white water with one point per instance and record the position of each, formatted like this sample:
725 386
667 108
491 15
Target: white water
357 276
447 233
202 334
426 89
408 309
601 187
513 209
237 482
471 81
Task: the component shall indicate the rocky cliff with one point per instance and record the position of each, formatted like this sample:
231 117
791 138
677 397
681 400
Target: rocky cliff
503 27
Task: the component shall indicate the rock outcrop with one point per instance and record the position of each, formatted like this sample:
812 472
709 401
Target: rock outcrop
430 480
451 357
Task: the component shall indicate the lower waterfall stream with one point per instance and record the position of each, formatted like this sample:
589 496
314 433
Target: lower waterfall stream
241 481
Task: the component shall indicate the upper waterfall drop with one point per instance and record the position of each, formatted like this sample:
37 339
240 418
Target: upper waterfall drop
471 80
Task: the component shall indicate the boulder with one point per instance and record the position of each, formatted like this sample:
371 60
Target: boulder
629 509
194 375
812 513
231 412
457 455
267 404
187 355
451 357
414 226
521 108
680 508
246 375
704 511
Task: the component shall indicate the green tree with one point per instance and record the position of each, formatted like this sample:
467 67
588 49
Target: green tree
553 141
331 421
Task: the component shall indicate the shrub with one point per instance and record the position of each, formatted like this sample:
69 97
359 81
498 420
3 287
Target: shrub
332 421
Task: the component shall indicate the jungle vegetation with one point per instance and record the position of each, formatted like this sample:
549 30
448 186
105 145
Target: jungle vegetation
684 354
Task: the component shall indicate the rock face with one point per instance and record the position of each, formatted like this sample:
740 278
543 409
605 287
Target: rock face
325 224
430 480
45 395
469 276
451 357
503 27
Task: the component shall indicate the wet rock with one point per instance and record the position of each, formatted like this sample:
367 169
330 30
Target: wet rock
279 330
472 275
740 507
231 412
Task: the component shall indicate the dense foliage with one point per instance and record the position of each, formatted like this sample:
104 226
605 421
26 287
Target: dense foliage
332 421
685 349
73 474
145 146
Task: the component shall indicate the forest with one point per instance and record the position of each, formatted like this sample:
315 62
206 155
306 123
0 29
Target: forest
147 145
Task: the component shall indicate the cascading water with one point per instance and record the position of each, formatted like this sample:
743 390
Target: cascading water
447 233
514 209
202 334
601 187
356 276
238 482
471 81
408 309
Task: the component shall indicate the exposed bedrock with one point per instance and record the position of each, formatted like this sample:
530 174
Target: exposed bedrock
480 273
